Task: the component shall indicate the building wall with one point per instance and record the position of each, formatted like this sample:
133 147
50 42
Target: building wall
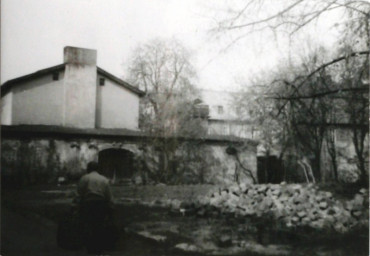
43 160
75 99
6 109
220 104
224 127
42 101
38 101
346 154
224 118
229 170
117 107
346 159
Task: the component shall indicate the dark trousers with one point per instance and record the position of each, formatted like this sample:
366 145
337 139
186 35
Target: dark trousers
93 215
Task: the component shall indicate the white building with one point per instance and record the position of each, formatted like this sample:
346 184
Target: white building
223 117
76 94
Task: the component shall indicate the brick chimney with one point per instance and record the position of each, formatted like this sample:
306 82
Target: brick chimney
79 87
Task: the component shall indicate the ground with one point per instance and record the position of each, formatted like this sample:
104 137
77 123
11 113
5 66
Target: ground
30 216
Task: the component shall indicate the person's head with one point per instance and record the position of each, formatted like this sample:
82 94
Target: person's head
92 166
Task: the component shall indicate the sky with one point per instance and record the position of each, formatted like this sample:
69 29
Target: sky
34 33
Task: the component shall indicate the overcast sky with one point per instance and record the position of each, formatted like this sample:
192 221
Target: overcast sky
34 33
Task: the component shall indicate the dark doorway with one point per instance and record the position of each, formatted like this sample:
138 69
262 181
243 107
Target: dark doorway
269 169
116 164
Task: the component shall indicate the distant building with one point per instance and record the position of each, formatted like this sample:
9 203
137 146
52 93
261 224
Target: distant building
223 118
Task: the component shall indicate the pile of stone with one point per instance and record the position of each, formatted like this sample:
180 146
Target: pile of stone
293 205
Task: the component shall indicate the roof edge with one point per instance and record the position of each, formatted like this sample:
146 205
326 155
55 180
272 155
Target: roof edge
52 130
120 81
5 88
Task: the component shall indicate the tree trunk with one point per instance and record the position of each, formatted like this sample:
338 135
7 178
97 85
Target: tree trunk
358 141
330 141
317 165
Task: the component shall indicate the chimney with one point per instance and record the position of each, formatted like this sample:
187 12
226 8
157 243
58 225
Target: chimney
74 55
79 87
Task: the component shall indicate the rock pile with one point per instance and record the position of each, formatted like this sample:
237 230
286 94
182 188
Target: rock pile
293 205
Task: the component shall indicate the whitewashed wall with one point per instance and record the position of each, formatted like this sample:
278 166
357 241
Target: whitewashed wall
38 101
117 107
6 109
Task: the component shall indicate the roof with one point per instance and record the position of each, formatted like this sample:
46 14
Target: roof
120 81
53 130
10 83
231 121
13 82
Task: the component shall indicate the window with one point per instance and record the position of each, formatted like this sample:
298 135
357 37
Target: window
220 109
55 76
101 81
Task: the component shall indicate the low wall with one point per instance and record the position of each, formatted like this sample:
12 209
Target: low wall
43 159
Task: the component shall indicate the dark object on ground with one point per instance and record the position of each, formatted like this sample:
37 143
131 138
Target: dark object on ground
100 232
69 235
110 234
76 231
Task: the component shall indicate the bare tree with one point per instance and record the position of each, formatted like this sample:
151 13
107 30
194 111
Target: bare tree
332 150
241 18
271 128
318 89
357 109
163 70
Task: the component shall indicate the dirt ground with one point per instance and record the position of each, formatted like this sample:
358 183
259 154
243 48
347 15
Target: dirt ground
29 225
29 220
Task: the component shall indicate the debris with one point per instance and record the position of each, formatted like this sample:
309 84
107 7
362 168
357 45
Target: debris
187 247
224 241
295 204
292 204
323 205
157 238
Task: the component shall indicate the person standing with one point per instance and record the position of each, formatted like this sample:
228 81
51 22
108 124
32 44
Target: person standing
95 206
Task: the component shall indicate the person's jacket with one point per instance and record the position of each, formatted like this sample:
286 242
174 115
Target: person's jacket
94 186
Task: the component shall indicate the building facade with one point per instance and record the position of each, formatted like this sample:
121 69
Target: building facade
56 120
76 93
223 117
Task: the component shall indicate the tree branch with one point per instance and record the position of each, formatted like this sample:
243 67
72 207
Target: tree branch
354 54
315 15
266 19
322 94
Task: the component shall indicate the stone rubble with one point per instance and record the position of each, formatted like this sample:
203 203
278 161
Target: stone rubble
157 238
187 247
294 205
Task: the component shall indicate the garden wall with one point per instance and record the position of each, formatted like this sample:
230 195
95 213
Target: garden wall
35 160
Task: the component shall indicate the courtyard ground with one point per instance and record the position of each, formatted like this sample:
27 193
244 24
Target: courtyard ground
30 216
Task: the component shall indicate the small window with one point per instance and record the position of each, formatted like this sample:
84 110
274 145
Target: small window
55 76
101 81
220 109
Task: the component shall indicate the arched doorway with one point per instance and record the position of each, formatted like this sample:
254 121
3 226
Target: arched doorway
116 164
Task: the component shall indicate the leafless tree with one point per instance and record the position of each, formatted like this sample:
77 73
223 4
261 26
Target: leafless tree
163 70
241 18
315 91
